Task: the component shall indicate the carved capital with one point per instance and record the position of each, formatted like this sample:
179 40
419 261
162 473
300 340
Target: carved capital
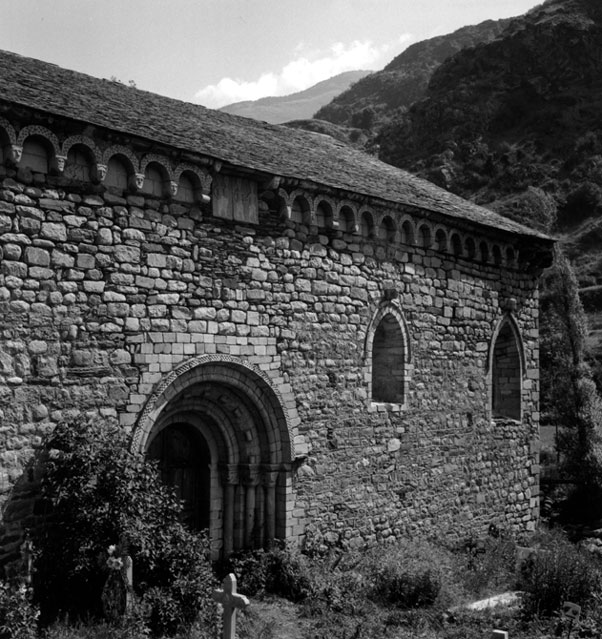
251 474
269 475
230 474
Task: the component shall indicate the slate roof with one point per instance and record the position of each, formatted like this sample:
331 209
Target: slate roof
239 141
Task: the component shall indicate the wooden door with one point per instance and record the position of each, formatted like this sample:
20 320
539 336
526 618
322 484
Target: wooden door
184 461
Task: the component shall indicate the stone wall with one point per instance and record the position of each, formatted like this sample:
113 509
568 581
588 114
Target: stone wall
103 295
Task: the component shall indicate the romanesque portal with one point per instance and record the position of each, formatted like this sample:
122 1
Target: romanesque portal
220 435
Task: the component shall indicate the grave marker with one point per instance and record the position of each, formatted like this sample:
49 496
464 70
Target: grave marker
231 601
117 591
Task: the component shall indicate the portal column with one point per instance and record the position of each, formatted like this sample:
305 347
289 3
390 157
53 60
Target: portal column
251 480
231 481
270 479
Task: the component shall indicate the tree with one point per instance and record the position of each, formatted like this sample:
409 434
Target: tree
569 394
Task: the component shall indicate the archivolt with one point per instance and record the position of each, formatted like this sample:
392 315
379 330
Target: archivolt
247 379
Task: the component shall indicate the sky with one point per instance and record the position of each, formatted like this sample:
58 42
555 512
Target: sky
215 52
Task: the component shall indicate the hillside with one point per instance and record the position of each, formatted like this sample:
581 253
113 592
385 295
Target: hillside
296 106
375 98
515 124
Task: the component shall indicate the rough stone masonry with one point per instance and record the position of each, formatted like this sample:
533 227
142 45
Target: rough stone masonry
315 346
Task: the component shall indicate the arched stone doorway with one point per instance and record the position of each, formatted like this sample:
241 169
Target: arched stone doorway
222 435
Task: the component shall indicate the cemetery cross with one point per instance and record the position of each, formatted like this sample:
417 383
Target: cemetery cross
231 601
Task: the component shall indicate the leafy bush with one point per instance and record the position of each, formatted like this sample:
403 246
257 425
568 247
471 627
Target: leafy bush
408 576
251 570
490 566
18 615
558 572
280 571
100 494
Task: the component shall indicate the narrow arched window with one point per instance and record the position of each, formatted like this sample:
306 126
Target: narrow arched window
506 375
35 155
388 361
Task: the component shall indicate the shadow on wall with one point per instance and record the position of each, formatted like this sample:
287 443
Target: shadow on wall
22 513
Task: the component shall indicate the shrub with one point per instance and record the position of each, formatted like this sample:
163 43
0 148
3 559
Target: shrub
18 615
280 571
251 570
101 493
490 566
408 575
558 572
288 574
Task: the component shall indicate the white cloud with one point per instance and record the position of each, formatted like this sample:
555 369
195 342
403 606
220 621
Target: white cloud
304 71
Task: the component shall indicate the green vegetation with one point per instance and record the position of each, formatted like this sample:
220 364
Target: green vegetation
102 495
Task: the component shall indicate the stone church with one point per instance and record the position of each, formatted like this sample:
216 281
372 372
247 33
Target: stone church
315 345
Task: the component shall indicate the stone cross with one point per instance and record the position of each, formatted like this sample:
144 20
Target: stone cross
230 601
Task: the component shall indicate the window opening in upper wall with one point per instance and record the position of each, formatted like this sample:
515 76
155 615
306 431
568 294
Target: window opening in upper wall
506 375
388 362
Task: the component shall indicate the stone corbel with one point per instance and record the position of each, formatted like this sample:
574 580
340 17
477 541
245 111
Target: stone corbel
15 153
137 181
101 172
59 163
509 305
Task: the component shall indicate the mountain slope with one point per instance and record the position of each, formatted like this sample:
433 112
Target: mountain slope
404 80
296 106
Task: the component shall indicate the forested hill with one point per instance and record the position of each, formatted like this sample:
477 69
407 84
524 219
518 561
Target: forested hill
375 98
516 124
